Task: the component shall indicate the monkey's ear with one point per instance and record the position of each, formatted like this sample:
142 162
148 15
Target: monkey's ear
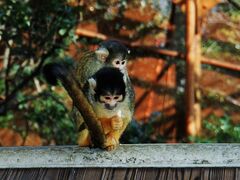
102 53
92 84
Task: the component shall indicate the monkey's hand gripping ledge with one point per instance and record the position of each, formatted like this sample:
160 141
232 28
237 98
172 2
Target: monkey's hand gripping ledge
127 156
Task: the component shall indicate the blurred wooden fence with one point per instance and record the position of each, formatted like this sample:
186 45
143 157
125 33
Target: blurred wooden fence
154 77
153 69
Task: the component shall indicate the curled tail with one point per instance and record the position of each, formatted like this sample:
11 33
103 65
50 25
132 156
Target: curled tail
54 72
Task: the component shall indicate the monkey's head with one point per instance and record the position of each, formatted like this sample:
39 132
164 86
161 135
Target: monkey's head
114 53
108 87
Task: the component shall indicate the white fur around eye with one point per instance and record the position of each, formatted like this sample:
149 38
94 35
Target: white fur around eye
119 98
105 99
116 63
102 98
124 62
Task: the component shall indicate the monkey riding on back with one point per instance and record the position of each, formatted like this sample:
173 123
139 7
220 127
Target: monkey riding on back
103 76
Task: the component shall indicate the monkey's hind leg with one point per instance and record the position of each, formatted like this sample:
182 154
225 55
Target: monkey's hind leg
84 139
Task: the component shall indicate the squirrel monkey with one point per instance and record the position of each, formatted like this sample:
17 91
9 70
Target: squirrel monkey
110 53
106 92
113 54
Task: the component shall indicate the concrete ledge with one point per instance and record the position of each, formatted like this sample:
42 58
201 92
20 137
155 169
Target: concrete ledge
127 156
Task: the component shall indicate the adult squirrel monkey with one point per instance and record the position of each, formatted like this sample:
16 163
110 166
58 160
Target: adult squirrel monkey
110 53
91 69
106 92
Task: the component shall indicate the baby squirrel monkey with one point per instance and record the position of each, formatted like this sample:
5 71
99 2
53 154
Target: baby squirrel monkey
109 54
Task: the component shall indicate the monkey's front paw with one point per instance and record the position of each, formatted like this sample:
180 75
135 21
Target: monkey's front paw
116 123
111 143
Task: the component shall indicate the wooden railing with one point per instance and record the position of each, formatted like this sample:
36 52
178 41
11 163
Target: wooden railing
126 156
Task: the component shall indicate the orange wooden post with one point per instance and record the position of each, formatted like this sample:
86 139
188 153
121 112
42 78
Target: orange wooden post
193 68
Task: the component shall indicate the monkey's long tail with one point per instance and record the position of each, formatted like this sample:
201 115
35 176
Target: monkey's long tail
57 71
54 72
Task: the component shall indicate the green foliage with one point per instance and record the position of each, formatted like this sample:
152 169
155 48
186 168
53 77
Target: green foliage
31 25
213 46
1 85
35 31
221 50
46 115
220 130
49 117
230 10
5 120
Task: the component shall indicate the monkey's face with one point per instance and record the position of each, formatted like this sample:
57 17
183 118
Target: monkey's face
108 87
109 96
110 101
119 63
113 53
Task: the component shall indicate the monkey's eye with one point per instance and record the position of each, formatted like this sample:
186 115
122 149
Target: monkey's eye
116 63
118 98
123 62
105 98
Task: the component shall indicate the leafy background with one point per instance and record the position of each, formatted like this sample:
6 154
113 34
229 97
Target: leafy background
34 32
